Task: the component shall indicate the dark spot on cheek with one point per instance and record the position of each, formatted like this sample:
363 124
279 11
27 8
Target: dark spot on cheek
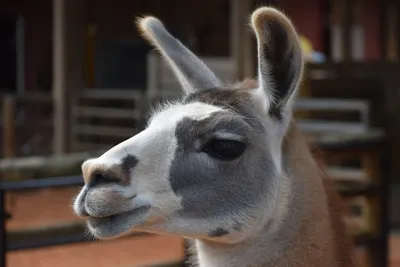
129 162
218 232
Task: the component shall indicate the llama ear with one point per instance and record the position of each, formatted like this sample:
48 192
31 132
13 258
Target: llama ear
280 59
191 72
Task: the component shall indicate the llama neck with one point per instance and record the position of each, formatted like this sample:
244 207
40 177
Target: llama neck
304 237
301 240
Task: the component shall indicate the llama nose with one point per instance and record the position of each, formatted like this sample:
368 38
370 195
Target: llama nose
103 177
99 173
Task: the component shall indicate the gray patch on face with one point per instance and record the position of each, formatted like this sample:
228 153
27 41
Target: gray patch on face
210 187
218 232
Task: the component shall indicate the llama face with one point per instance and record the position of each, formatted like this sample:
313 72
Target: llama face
208 166
195 164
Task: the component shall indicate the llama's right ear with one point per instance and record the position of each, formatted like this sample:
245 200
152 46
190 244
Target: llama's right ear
280 59
191 72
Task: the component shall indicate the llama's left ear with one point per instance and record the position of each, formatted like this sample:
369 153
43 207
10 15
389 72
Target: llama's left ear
280 59
191 72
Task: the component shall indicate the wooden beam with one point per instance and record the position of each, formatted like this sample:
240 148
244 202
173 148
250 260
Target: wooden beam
9 133
235 38
249 44
59 79
241 40
102 112
358 39
97 130
392 41
39 236
68 66
397 28
346 25
45 166
384 28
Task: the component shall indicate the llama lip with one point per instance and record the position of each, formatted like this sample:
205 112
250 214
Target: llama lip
108 221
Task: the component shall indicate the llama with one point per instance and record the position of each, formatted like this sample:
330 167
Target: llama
224 166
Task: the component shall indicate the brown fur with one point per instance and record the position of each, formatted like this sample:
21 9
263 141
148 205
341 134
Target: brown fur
336 248
344 246
325 243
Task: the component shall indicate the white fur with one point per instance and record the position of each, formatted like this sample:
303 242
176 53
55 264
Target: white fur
154 148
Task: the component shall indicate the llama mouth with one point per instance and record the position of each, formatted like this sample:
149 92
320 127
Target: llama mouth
117 224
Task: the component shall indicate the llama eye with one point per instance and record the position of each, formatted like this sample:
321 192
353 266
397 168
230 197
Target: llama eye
225 149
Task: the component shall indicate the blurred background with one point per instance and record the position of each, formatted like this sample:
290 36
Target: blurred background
76 78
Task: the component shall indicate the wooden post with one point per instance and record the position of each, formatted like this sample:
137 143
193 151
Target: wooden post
89 55
392 24
3 231
68 66
9 143
59 90
389 21
241 39
249 43
346 25
235 38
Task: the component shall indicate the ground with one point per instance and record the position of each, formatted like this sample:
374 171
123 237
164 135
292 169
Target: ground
39 208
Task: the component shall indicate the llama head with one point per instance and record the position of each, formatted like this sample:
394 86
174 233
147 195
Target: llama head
209 165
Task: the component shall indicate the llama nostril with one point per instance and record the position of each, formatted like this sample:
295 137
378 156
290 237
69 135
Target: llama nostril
98 178
103 177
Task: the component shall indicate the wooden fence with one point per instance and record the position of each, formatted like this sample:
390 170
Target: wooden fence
368 224
25 120
27 174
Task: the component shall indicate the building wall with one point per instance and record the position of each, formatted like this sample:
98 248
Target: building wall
118 50
38 27
209 23
371 20
203 21
308 17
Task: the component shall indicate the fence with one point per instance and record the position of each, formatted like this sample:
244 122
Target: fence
26 123
20 174
26 185
72 234
370 147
